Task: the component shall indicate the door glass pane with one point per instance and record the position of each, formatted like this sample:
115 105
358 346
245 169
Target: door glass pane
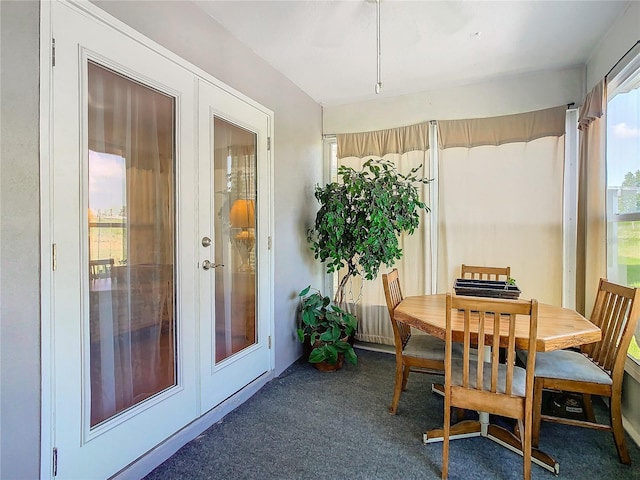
235 233
131 242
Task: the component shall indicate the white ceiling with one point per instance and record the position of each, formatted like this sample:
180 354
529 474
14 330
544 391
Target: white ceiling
328 47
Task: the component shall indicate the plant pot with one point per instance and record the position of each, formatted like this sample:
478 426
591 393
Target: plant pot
306 349
330 367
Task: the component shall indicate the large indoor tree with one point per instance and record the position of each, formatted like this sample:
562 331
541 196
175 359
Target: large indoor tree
361 217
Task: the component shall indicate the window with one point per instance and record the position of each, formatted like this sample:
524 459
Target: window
107 211
330 175
623 181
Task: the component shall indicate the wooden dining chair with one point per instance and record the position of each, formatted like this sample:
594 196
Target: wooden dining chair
490 386
597 369
420 353
100 268
485 273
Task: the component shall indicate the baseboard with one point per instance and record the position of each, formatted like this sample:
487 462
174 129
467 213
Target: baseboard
375 347
152 459
632 371
631 430
632 368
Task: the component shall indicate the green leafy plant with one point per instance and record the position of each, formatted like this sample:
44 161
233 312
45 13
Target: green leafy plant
326 327
361 217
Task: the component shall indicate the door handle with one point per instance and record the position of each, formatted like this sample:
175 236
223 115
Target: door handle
207 265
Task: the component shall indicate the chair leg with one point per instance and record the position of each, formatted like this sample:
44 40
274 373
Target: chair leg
397 386
618 430
405 377
537 412
445 437
588 407
525 442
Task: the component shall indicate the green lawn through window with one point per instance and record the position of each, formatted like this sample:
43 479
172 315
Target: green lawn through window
628 236
634 349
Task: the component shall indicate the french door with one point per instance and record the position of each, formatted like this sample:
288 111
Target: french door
233 148
150 330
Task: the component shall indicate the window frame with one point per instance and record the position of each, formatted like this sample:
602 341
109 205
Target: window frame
626 70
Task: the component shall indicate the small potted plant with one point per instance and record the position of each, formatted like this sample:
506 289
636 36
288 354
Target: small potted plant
325 330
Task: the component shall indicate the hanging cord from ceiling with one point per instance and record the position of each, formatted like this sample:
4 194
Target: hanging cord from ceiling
379 81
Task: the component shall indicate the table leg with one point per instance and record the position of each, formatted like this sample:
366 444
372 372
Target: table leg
509 440
473 428
464 429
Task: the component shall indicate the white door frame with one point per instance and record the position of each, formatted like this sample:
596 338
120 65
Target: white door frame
47 255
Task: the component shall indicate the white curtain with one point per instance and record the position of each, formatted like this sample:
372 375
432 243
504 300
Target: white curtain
500 199
366 298
502 206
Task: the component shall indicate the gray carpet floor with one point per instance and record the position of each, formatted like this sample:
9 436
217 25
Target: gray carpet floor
307 425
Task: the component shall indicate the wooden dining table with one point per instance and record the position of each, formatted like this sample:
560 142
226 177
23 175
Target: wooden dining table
558 328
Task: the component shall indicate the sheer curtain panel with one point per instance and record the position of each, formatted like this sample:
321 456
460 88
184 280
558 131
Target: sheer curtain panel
407 147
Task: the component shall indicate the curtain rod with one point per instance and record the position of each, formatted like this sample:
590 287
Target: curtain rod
622 58
331 136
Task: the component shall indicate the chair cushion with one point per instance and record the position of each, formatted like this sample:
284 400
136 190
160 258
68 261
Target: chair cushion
425 346
519 376
569 365
429 347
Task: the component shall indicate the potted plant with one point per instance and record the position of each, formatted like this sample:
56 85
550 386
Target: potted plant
361 218
325 329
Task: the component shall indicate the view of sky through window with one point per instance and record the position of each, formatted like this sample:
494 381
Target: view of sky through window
106 183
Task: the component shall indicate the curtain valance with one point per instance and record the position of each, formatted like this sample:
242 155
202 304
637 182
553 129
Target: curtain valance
593 106
381 142
521 127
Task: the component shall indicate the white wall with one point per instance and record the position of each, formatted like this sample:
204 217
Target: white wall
19 241
622 35
521 93
184 29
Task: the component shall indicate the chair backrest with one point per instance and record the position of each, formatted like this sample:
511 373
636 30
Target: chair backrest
141 294
494 320
100 268
485 273
616 312
393 295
